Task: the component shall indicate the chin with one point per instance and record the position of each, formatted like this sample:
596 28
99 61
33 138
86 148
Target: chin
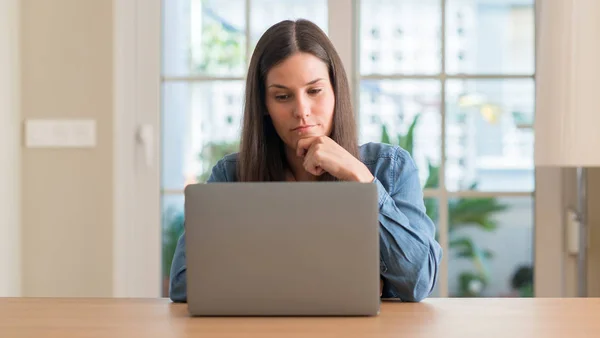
312 132
307 135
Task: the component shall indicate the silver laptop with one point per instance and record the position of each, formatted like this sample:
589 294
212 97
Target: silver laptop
282 249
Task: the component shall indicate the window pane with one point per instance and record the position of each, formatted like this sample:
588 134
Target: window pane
491 247
266 13
400 36
405 113
172 227
204 37
489 135
201 123
490 36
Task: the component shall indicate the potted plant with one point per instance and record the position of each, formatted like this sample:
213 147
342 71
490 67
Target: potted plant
462 212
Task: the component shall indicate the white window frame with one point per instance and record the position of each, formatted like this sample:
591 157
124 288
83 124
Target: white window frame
10 149
137 249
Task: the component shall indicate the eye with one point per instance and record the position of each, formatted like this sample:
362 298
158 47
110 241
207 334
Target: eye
282 97
315 91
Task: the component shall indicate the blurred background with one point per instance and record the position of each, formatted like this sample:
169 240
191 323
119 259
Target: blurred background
110 108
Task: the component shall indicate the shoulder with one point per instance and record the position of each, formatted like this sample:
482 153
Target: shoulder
230 158
390 164
225 170
373 152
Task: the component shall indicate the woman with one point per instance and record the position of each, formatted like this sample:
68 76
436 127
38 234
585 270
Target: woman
299 126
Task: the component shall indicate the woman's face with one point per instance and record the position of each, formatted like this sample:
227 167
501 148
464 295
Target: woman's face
299 98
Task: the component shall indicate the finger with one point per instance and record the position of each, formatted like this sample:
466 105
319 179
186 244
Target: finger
310 166
315 171
312 162
303 146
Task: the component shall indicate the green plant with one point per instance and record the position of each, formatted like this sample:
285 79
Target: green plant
462 212
213 152
222 49
522 281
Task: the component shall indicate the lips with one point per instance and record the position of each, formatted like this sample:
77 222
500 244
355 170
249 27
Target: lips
303 128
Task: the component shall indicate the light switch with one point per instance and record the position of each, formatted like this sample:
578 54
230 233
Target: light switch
60 133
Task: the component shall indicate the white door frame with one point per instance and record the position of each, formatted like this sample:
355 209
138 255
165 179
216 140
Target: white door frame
10 149
137 234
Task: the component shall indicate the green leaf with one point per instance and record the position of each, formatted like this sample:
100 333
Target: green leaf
385 136
474 212
467 248
461 241
463 247
526 291
431 208
407 142
222 48
433 179
488 254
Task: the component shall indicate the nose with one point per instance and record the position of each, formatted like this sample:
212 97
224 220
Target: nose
302 107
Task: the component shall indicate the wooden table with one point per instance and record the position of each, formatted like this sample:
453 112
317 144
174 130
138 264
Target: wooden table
65 318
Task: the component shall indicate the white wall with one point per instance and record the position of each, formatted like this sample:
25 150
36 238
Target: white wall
67 212
10 265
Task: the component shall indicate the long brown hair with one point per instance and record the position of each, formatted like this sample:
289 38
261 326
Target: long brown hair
262 156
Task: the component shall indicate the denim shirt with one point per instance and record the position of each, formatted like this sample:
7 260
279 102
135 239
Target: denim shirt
409 254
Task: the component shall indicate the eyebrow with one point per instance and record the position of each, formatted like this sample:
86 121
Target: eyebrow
284 87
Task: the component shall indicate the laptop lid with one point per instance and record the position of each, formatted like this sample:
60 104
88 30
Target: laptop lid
282 248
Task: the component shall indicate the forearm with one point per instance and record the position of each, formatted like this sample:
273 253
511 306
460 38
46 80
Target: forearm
177 283
410 256
408 267
178 273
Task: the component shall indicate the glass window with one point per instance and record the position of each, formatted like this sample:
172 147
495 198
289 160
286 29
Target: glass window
201 124
266 13
489 135
400 36
490 36
491 247
459 94
204 37
405 113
